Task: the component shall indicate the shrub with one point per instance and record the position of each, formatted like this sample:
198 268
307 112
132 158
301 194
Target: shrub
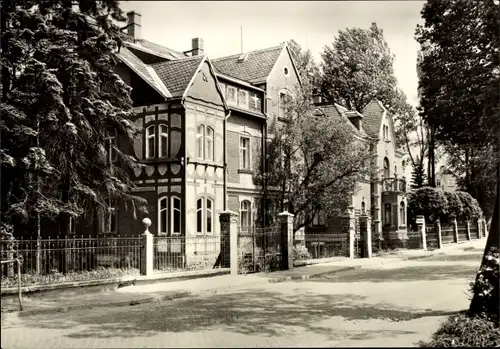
455 206
463 331
429 202
471 208
300 252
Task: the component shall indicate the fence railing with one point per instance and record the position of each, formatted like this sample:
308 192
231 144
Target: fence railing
327 245
71 259
414 241
474 232
431 236
173 254
260 249
462 232
394 184
447 233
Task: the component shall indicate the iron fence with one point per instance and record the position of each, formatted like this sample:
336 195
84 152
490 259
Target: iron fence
57 260
171 253
260 249
447 234
327 245
462 232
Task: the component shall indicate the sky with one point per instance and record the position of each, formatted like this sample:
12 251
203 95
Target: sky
312 24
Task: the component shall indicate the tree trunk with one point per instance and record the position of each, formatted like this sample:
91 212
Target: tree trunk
492 242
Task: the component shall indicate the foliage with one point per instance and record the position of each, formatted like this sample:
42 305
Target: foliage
463 331
308 70
300 252
418 178
429 202
470 206
61 103
358 68
317 161
455 206
56 277
459 71
488 296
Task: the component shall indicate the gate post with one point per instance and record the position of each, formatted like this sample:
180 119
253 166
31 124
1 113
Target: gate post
478 225
439 234
349 227
286 222
455 231
365 229
421 229
467 226
147 249
229 240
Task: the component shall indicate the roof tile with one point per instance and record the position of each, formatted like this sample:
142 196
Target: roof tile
177 74
255 67
372 120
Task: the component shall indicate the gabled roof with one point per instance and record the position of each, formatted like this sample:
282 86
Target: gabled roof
155 49
254 68
339 112
143 70
177 74
373 114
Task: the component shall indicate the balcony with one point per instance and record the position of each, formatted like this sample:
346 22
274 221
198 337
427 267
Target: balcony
394 184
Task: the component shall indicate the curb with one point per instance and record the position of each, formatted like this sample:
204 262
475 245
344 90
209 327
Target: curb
308 277
170 296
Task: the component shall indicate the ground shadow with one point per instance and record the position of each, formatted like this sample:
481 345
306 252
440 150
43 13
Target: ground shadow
256 311
424 272
475 257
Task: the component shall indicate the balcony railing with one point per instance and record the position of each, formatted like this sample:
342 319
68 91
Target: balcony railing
394 184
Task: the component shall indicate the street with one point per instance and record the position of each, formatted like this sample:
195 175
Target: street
394 304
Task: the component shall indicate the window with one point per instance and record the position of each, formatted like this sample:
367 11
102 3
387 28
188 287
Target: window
210 144
199 215
386 132
245 153
231 95
319 218
438 182
243 98
285 71
150 142
285 105
363 207
387 171
387 216
163 141
111 145
107 217
255 102
163 216
245 215
200 136
209 215
402 215
176 215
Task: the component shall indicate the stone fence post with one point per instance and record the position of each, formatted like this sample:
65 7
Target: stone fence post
365 227
455 230
286 222
421 229
467 226
349 228
439 234
229 240
147 250
485 228
479 226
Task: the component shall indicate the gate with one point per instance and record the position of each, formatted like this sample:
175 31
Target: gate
260 249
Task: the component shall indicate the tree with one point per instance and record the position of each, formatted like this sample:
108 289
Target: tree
304 61
62 106
358 68
459 99
418 176
316 161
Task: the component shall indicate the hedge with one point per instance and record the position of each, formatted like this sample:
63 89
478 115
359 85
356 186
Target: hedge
435 204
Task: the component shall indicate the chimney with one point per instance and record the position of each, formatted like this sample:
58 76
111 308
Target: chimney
197 47
134 25
355 118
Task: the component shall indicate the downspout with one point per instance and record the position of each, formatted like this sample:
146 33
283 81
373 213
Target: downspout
225 159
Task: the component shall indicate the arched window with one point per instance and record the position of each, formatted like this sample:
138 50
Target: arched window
245 215
200 138
150 142
176 215
388 214
163 216
210 144
363 207
402 213
163 141
209 215
387 169
199 215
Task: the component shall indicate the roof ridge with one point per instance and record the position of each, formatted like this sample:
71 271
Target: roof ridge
182 59
248 52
